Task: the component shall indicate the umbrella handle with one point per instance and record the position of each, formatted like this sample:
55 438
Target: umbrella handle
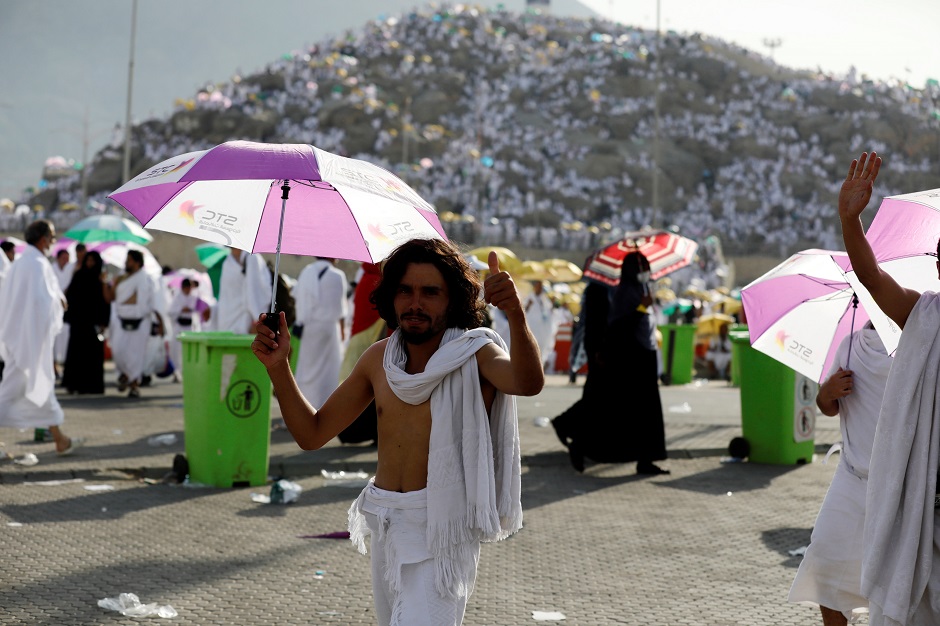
848 359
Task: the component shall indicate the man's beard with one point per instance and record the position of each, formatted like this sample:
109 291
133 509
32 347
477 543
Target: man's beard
418 338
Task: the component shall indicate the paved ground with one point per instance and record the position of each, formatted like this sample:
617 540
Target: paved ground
706 545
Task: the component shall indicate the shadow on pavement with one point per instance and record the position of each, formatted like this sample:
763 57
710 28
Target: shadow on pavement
782 540
551 479
730 477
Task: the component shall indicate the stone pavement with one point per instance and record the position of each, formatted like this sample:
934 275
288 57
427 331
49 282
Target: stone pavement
706 545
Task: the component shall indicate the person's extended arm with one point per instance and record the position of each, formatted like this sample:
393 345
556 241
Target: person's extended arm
896 301
839 385
311 428
521 374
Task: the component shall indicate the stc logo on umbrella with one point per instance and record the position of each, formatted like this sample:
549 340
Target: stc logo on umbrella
792 346
209 220
163 171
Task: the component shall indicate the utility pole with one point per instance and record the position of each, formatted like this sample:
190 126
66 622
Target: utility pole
773 44
130 90
656 151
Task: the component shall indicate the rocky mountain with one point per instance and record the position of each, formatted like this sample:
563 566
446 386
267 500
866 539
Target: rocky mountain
560 122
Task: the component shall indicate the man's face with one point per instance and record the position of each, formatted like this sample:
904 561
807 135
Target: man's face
130 265
10 253
45 243
62 259
421 303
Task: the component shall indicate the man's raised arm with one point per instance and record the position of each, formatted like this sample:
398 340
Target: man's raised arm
896 301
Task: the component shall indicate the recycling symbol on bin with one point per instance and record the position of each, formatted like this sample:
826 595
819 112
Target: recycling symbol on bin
243 398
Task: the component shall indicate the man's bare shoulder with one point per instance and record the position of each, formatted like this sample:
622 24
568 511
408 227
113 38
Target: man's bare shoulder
374 354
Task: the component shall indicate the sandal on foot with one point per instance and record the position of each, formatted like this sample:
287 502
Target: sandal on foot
74 444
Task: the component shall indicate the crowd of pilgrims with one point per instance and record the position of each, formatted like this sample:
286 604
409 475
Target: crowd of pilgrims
496 159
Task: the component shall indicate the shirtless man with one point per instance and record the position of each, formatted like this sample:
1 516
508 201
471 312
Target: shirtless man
436 445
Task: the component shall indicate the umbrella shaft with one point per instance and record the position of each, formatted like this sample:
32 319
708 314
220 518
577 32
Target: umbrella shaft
277 254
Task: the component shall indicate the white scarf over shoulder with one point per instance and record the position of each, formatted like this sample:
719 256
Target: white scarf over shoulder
474 461
899 517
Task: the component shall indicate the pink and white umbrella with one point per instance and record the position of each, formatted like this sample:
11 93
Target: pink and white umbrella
800 311
290 198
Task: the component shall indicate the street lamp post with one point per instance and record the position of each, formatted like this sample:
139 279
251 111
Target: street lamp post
656 154
126 173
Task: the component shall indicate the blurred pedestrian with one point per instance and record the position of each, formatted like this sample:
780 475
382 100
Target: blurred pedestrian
619 418
31 308
244 291
538 313
185 313
136 309
718 354
63 268
320 296
89 312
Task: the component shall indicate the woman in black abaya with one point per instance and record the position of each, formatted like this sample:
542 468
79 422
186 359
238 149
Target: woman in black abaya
619 418
88 313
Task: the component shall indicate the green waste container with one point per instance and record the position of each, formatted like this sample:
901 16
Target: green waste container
226 410
778 410
678 353
739 341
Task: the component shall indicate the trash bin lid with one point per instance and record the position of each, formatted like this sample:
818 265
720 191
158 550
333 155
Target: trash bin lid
218 338
740 336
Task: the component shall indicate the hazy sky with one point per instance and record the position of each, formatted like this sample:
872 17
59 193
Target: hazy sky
884 39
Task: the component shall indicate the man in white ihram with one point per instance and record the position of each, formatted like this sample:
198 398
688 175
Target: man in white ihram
901 562
135 304
63 268
320 297
31 308
830 574
244 291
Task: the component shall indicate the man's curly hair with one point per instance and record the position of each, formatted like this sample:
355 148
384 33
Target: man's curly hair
465 309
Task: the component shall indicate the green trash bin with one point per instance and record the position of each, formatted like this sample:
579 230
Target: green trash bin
678 353
226 410
739 341
778 410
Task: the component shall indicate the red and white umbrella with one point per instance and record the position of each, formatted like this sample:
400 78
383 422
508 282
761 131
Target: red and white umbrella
665 251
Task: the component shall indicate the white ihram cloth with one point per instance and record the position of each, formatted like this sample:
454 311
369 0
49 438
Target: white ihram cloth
64 277
899 576
129 347
403 569
31 307
831 571
538 314
178 317
320 298
474 464
244 292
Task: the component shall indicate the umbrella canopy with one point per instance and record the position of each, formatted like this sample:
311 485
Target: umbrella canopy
666 252
507 258
211 253
113 253
562 271
710 324
234 194
799 312
903 237
108 228
18 244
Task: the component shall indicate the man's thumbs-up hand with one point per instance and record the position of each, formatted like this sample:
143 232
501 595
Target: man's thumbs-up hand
499 289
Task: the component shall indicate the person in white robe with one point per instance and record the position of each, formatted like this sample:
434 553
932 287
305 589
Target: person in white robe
830 575
134 312
538 313
27 332
244 291
449 471
63 269
901 561
719 352
320 299
185 315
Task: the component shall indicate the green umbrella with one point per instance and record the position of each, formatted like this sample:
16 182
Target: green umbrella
211 253
108 228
